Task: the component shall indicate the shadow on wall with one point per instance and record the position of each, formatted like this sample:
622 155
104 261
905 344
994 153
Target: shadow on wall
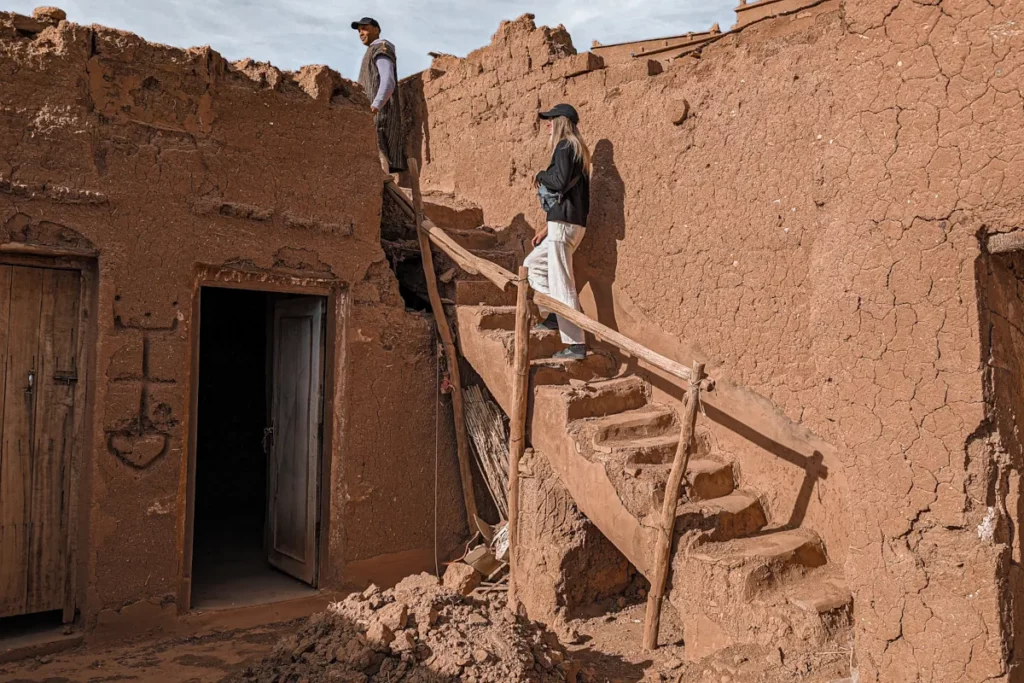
599 252
597 266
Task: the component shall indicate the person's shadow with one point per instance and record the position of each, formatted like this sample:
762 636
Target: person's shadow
598 255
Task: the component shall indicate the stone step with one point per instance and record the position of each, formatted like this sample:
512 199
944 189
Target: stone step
605 398
651 420
482 293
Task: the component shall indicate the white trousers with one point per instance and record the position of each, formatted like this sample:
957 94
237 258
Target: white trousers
550 265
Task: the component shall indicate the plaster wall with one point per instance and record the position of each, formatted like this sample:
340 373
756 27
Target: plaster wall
168 168
801 204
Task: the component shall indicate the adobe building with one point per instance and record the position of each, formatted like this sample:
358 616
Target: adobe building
206 360
806 204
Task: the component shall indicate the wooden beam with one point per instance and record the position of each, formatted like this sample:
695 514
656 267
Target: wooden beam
663 549
1000 243
609 335
517 423
448 341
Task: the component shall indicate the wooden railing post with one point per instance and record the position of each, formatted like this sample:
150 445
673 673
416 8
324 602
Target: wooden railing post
663 550
517 427
448 341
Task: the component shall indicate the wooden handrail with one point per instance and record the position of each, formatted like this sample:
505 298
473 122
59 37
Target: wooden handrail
611 336
502 278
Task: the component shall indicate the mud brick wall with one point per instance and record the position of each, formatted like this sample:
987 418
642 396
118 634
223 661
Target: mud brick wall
167 165
802 204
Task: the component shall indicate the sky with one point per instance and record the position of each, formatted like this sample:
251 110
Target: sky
293 33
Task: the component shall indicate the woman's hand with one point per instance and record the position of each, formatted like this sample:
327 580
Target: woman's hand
539 237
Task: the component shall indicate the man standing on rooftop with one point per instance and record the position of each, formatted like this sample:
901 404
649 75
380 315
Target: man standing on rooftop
379 78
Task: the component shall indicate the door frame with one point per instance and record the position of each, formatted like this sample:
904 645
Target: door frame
335 292
78 482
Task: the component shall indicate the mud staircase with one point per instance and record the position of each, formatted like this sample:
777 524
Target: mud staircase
736 577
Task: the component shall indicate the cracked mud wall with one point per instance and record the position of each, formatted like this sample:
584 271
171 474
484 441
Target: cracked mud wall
165 167
811 224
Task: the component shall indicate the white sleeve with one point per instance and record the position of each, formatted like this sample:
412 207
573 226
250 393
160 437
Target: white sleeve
387 81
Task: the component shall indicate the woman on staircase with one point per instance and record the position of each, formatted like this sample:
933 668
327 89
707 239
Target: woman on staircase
564 191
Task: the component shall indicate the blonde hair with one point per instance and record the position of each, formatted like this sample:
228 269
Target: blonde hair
564 129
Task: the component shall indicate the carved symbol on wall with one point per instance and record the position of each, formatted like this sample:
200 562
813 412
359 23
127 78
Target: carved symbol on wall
147 436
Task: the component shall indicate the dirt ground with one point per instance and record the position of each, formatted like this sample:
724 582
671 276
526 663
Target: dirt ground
606 645
181 660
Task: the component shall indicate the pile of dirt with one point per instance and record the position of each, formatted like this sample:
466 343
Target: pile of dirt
419 632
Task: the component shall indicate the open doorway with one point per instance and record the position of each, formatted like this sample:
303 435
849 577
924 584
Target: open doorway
258 437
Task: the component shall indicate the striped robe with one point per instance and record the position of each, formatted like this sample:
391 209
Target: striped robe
390 133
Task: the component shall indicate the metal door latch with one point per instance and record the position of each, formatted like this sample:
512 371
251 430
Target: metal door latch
65 377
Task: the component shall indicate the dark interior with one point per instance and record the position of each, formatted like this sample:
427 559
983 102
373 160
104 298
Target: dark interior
229 565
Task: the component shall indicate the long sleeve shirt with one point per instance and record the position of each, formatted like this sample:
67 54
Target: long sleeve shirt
386 67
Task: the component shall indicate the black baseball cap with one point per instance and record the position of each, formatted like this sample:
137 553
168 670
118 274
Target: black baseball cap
566 110
365 21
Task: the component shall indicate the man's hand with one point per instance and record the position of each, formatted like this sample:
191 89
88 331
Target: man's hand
374 110
539 237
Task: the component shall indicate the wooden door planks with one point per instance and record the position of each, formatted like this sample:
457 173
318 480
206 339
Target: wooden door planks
25 299
53 440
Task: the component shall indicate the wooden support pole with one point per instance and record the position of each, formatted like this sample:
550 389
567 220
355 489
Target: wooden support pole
448 342
663 549
517 427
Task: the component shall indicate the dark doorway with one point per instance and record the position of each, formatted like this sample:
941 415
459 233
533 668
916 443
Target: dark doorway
257 447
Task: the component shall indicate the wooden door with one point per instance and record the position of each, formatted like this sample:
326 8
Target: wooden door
39 313
296 417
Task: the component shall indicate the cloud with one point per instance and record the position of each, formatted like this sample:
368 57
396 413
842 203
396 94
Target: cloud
291 33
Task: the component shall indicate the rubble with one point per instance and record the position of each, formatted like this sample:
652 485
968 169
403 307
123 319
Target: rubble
420 631
461 578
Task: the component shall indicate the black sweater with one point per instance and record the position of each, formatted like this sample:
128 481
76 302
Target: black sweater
576 202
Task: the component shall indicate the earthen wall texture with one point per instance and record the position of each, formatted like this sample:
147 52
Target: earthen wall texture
812 225
172 165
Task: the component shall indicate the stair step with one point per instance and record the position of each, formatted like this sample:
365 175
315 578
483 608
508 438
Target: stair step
709 479
651 420
508 260
650 450
788 548
745 591
482 293
734 516
498 318
605 398
820 593
477 239
549 371
451 213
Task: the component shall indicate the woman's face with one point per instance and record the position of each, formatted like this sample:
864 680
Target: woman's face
549 126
